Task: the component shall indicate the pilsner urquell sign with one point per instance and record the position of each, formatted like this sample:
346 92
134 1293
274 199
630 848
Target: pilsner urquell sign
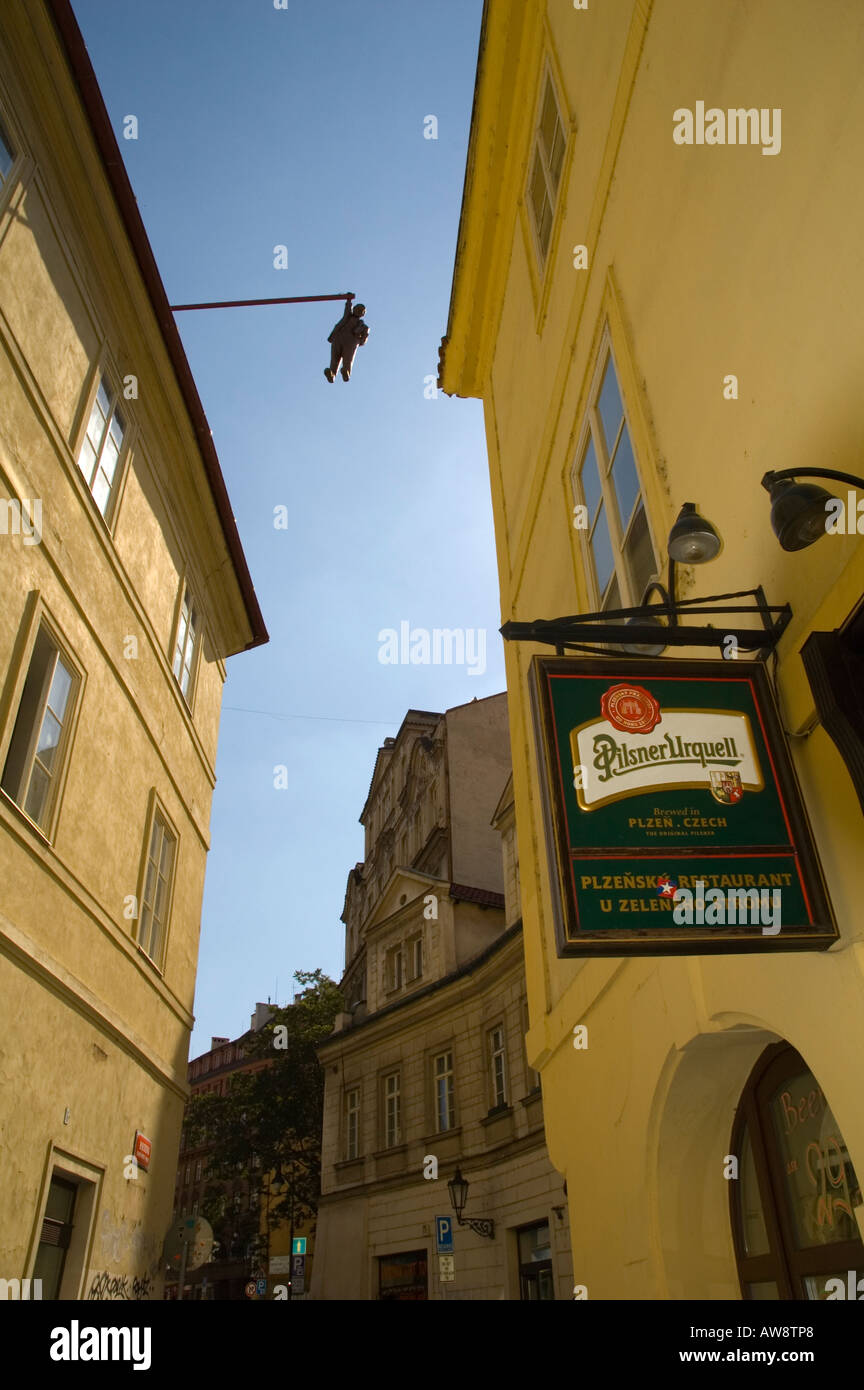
672 812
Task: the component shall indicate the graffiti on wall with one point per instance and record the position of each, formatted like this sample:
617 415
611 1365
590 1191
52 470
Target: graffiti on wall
106 1287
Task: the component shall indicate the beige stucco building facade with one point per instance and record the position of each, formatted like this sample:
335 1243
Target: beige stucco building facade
656 296
124 591
427 1070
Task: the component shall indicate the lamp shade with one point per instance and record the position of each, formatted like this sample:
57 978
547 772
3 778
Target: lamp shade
458 1189
692 540
634 649
798 514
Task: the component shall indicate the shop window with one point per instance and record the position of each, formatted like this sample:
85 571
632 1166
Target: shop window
536 1283
797 1200
403 1277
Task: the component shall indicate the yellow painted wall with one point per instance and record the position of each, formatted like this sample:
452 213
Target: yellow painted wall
95 1037
703 261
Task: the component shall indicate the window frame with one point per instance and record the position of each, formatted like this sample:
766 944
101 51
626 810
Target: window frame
784 1264
592 433
41 620
394 955
388 1095
548 84
501 1052
104 374
154 810
187 591
446 1075
350 1113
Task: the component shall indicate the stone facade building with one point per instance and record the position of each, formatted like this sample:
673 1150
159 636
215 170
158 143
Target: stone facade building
427 1071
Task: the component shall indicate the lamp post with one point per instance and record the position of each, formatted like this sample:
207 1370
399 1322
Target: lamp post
458 1189
798 509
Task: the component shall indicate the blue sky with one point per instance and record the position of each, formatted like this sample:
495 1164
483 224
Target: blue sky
304 127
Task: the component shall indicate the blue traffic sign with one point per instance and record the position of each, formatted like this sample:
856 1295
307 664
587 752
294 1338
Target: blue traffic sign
298 1245
261 1286
444 1234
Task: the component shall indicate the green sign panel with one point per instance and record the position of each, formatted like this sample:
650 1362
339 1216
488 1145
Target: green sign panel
673 817
298 1245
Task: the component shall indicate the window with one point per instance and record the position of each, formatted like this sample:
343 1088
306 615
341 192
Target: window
443 1074
156 895
392 1111
102 447
497 1065
415 952
40 737
7 154
545 170
796 1203
394 965
198 1171
619 554
186 645
403 1277
535 1263
352 1123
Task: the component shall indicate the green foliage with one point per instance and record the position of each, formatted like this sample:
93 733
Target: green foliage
269 1121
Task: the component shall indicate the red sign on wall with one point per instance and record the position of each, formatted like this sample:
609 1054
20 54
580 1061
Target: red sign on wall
141 1151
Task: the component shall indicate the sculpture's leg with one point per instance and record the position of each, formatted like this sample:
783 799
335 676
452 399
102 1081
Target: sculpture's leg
347 359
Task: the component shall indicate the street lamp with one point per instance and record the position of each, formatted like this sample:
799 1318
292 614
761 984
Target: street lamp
798 509
458 1189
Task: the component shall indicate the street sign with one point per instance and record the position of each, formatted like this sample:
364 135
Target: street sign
444 1234
298 1273
446 1268
261 1286
298 1245
194 1235
250 1289
280 1264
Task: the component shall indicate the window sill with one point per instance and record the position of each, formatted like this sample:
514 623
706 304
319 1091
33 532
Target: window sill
496 1112
386 1153
22 814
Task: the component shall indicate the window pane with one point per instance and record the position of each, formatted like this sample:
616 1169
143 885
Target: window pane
87 460
625 478
49 739
590 480
538 191
167 856
764 1292
60 687
610 407
556 158
545 226
821 1187
612 599
752 1217
101 492
7 156
118 428
601 549
548 122
108 462
37 794
534 1244
639 554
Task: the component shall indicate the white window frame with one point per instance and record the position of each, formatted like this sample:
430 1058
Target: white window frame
91 474
392 1088
443 1089
352 1122
395 968
538 149
38 714
154 947
417 961
619 529
185 657
498 1065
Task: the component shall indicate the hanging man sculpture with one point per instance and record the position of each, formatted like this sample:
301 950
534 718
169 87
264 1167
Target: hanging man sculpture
349 334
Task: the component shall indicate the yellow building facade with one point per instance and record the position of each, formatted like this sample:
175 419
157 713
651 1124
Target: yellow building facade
124 590
656 298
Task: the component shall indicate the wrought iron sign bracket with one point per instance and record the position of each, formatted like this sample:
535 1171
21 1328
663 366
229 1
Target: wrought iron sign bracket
481 1226
611 628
